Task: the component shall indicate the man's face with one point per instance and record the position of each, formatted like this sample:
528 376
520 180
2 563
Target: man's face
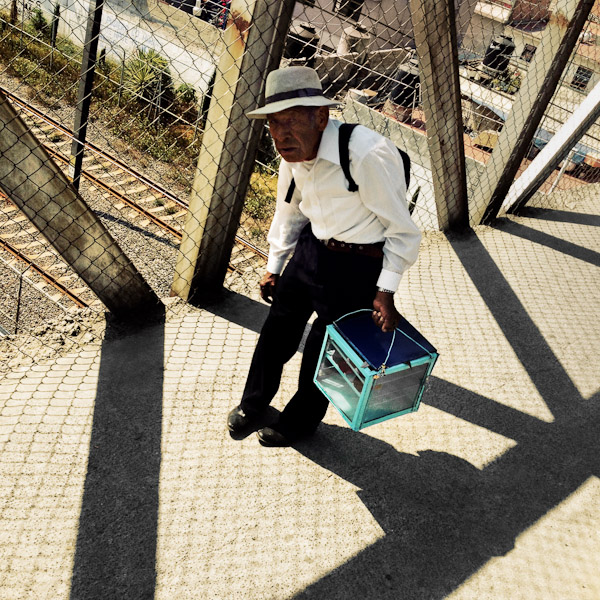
297 131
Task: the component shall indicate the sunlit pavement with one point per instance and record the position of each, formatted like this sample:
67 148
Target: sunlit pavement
119 479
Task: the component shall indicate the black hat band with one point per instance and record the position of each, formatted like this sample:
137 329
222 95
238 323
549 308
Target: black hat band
301 93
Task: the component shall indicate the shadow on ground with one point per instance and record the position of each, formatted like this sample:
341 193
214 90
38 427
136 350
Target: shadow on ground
116 544
443 519
238 309
560 216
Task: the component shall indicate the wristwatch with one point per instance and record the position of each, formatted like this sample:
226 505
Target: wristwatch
385 291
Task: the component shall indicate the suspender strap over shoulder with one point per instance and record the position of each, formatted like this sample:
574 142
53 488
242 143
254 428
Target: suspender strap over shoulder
290 192
346 130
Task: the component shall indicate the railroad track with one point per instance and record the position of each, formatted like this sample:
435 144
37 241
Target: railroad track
143 202
46 272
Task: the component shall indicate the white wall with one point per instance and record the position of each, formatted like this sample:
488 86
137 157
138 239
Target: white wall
127 26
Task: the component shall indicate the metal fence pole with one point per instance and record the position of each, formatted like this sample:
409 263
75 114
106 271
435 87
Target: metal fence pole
121 79
84 96
54 31
13 12
255 38
22 24
19 293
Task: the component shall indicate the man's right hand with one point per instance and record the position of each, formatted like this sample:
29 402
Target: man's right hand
267 286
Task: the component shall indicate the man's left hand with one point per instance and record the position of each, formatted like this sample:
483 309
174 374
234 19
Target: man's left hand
385 314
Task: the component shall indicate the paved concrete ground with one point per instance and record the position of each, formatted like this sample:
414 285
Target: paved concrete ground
119 480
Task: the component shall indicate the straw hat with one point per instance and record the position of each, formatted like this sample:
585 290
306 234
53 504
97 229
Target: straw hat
291 86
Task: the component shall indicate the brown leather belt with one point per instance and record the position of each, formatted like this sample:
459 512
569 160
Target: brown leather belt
373 250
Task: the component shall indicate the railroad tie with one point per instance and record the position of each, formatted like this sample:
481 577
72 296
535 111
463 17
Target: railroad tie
28 244
125 181
98 165
137 190
174 215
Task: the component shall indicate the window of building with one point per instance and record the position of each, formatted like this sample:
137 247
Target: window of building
349 8
528 52
582 78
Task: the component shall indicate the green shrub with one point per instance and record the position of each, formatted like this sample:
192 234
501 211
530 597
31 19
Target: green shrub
39 23
69 49
21 67
260 200
149 137
186 94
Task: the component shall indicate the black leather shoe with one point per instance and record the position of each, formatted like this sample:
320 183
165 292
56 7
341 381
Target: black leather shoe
267 436
238 421
272 437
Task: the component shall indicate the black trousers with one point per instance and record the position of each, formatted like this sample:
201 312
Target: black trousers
315 280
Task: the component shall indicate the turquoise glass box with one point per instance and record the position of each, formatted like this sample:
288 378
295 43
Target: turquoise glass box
371 376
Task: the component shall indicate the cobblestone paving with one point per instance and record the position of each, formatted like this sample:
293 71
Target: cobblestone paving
118 478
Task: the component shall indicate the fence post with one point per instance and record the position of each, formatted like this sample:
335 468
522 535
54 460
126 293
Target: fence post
84 94
254 40
19 294
54 31
558 40
434 25
33 182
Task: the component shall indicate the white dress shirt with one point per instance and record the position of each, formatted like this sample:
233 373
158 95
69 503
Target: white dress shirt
376 213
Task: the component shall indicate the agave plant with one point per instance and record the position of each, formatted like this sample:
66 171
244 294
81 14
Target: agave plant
148 79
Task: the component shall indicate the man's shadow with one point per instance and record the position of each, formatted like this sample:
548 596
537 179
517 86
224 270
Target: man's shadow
444 519
115 553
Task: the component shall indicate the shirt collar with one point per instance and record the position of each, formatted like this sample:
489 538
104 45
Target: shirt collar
329 146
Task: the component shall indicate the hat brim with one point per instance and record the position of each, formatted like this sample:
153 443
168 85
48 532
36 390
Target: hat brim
275 107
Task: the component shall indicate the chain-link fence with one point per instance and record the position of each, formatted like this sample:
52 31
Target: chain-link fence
142 106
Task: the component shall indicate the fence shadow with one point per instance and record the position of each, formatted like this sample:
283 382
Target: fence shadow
116 543
556 243
560 216
238 309
443 519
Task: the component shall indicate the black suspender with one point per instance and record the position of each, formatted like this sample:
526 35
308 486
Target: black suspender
290 192
346 130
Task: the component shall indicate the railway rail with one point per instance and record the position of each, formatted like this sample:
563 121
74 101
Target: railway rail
123 186
23 246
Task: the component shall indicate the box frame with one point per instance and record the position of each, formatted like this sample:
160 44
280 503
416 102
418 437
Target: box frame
369 375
